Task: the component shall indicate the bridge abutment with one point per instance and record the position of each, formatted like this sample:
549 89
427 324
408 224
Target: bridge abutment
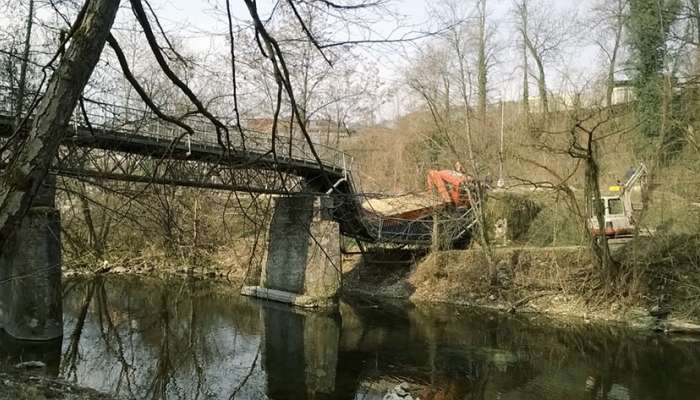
302 263
30 272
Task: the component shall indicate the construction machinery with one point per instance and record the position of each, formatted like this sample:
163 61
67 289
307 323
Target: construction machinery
620 206
451 185
410 218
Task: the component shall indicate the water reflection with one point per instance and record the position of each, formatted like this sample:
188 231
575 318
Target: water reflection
159 339
14 352
300 353
179 339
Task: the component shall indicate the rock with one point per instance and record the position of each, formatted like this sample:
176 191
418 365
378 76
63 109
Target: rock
658 312
399 392
492 298
30 365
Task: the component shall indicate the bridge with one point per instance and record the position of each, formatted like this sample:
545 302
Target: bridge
317 188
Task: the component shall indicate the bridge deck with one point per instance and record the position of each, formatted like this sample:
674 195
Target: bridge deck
151 138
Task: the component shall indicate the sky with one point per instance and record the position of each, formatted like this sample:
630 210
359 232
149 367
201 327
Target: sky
197 18
202 27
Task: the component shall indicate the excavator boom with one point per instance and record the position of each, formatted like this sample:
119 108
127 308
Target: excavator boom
440 180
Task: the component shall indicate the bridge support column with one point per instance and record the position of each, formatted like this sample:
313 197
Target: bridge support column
302 264
30 272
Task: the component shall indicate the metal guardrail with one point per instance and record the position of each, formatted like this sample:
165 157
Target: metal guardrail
420 230
119 119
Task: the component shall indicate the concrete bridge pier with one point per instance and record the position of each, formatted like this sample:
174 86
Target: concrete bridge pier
30 272
302 263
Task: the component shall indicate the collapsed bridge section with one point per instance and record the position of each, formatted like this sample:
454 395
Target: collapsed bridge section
317 200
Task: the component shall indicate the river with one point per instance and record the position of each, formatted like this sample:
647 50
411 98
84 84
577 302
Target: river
177 339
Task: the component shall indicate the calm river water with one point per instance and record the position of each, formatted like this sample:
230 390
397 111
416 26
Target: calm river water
143 338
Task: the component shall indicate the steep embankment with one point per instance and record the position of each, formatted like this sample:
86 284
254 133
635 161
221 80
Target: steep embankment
461 277
661 294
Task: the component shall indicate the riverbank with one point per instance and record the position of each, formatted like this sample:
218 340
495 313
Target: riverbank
21 386
226 263
558 282
660 289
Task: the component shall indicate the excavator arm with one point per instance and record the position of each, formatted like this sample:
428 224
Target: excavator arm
441 179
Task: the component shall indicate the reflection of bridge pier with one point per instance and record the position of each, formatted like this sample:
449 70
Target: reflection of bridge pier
30 272
302 264
300 353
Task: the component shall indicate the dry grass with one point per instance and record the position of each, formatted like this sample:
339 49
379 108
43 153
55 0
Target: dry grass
663 271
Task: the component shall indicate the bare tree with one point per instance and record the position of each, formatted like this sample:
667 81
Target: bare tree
543 35
444 78
524 28
483 62
609 19
29 165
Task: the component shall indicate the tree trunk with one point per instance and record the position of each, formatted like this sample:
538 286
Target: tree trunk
541 79
541 84
476 201
22 83
31 162
695 4
613 54
482 76
94 240
526 68
599 245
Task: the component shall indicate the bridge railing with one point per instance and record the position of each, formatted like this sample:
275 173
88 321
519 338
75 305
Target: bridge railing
131 121
453 225
118 119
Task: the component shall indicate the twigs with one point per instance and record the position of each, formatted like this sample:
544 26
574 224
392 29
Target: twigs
221 129
282 73
232 46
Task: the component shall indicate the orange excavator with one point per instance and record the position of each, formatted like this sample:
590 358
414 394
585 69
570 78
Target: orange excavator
449 184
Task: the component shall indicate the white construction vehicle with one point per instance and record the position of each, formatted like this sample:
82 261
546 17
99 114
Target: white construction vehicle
620 208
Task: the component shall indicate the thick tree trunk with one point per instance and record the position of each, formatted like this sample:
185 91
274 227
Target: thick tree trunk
30 164
599 244
542 84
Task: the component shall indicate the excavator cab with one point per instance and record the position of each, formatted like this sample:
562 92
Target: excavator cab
619 209
618 221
